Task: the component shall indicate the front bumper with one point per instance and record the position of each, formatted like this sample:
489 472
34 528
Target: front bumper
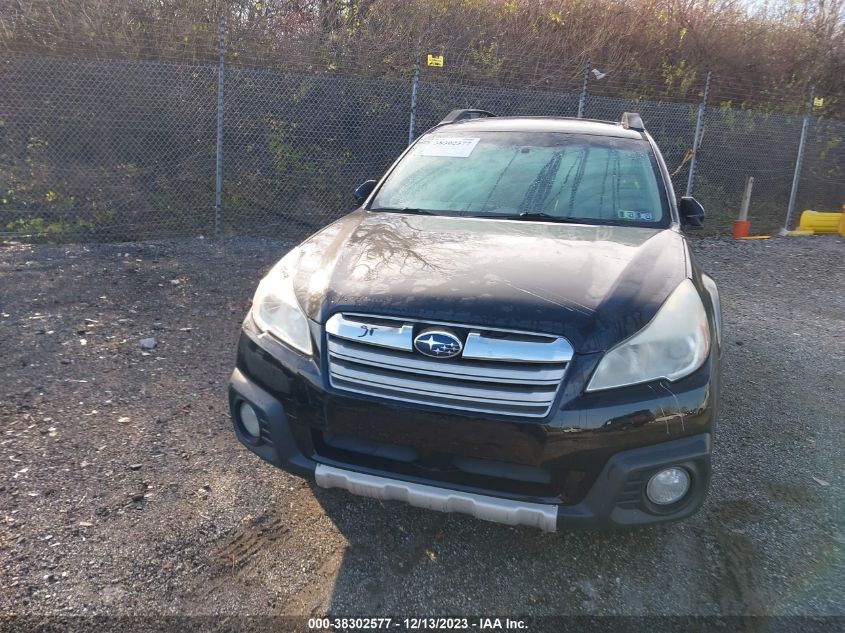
599 450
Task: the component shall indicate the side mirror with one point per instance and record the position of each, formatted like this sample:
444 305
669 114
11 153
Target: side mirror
692 213
363 191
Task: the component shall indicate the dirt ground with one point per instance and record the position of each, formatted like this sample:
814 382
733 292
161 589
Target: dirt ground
124 490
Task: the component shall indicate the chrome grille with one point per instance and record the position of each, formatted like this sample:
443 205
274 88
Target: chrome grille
501 372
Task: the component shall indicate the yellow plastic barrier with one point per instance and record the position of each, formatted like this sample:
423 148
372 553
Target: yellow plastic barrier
842 222
820 222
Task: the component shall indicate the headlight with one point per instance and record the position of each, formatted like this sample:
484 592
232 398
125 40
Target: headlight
674 344
275 308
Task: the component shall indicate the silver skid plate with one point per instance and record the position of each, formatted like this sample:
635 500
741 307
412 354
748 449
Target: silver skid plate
540 515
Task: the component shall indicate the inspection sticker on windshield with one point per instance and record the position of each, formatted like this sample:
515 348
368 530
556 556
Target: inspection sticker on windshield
454 147
647 216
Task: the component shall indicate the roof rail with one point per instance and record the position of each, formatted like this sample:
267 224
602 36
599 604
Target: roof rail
632 121
462 115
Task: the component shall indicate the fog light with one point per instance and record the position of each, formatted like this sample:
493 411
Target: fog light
249 420
668 486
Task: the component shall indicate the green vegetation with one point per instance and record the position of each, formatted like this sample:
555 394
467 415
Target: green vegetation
759 53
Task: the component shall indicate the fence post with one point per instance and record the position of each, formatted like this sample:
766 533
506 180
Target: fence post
218 159
414 83
793 194
696 141
582 100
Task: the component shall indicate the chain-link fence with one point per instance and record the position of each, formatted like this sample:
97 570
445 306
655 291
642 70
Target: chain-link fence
128 149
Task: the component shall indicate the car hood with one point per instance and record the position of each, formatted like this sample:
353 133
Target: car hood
595 285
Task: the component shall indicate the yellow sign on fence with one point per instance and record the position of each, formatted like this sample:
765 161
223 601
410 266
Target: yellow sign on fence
435 60
818 102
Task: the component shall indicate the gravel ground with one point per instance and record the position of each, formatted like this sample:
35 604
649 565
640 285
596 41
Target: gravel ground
124 490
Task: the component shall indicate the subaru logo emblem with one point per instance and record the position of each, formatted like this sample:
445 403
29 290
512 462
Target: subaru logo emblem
438 344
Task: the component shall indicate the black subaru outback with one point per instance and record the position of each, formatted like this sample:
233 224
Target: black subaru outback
511 325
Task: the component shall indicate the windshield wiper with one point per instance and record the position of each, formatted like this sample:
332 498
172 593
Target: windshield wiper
547 217
405 210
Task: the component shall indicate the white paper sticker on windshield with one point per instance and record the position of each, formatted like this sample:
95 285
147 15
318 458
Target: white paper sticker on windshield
635 215
454 147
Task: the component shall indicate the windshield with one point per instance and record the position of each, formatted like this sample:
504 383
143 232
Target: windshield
532 175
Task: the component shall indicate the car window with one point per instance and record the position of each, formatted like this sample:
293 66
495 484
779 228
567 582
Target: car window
568 176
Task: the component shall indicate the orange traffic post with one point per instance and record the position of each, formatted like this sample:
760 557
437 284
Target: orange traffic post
742 226
741 229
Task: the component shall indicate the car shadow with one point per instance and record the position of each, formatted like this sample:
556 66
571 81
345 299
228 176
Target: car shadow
406 560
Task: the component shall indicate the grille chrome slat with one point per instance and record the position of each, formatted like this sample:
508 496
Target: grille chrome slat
519 375
381 335
455 390
491 372
484 348
476 407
